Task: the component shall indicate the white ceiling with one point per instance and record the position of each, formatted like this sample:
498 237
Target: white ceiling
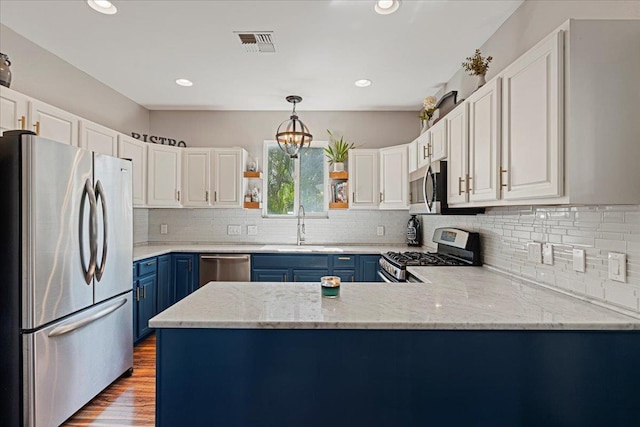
322 48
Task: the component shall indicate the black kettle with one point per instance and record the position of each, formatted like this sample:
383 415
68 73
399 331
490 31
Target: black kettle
414 233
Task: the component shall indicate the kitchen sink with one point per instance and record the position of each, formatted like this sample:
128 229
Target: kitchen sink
302 248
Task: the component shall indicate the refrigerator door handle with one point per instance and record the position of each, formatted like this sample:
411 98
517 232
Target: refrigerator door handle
65 328
103 202
87 193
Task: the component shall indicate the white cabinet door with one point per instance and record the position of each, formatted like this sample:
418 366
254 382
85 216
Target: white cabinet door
457 176
163 176
364 177
413 155
53 123
424 141
98 138
196 177
13 110
438 150
136 151
228 167
532 141
484 142
394 178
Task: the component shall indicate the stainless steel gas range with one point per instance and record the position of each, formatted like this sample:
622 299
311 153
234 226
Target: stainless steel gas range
456 247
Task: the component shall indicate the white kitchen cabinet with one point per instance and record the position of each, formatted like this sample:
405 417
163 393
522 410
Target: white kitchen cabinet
98 138
438 141
413 155
364 178
484 109
196 177
53 123
457 172
532 117
424 148
163 176
394 178
14 108
136 151
228 167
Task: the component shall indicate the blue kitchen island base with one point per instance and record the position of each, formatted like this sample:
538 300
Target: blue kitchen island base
341 377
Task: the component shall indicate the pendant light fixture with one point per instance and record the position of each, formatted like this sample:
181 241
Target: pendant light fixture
292 134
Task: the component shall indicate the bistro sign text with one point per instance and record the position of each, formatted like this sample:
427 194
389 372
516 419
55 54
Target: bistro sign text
158 139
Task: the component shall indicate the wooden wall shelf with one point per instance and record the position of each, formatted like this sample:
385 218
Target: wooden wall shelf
252 205
338 205
339 175
255 174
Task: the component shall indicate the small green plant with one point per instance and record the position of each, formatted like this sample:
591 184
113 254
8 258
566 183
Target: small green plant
339 151
476 65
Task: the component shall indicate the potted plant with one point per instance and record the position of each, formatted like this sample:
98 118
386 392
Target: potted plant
476 65
429 107
338 152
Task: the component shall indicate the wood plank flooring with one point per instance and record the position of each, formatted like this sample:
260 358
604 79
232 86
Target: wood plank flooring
128 401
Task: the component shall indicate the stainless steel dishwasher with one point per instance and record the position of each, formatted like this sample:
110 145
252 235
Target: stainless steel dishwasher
225 268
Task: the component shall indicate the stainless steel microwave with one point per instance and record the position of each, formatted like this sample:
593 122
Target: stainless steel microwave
428 192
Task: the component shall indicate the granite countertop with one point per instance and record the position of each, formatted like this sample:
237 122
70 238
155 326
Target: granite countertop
456 298
142 252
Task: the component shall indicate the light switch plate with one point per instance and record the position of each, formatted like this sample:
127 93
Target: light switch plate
579 260
234 230
252 230
380 230
164 228
534 252
547 253
618 267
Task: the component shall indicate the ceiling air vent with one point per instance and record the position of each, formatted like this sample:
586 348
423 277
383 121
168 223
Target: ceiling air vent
256 42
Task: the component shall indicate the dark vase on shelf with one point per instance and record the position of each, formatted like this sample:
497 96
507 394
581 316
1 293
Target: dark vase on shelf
5 70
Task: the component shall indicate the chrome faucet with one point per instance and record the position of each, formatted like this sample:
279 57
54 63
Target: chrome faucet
301 230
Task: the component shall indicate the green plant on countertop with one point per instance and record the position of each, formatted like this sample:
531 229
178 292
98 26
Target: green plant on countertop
476 65
339 151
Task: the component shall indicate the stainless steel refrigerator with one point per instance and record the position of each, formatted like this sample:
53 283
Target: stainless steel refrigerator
66 232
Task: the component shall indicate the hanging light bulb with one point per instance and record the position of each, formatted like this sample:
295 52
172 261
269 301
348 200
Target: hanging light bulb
292 134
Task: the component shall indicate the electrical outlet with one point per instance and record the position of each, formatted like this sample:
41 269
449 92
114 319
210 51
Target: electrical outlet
234 230
579 260
252 230
547 253
618 267
380 230
164 228
534 250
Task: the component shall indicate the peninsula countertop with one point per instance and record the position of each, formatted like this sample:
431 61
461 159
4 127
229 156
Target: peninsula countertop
146 251
472 298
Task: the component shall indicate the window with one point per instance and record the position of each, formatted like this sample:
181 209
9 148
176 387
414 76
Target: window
294 182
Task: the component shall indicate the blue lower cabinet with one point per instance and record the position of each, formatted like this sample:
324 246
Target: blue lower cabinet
166 287
309 275
345 275
185 274
147 304
270 275
369 266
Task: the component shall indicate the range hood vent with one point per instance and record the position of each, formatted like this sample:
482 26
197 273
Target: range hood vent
256 41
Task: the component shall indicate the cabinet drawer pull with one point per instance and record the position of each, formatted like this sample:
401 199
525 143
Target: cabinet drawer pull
284 277
144 292
502 184
22 122
344 258
460 181
150 263
425 152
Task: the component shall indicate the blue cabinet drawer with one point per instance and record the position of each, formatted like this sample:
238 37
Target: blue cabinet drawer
147 266
344 261
345 275
290 261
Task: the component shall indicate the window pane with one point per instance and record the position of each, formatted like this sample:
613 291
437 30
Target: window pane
280 182
312 180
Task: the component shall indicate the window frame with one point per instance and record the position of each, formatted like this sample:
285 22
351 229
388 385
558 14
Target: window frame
296 171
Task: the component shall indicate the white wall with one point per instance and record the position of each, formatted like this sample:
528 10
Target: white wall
42 75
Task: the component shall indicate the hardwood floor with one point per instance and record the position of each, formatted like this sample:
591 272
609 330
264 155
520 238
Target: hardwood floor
128 401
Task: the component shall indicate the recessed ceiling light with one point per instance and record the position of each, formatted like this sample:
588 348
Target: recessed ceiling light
184 82
386 7
102 6
363 83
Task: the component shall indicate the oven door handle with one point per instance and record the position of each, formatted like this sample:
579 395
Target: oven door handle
383 277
